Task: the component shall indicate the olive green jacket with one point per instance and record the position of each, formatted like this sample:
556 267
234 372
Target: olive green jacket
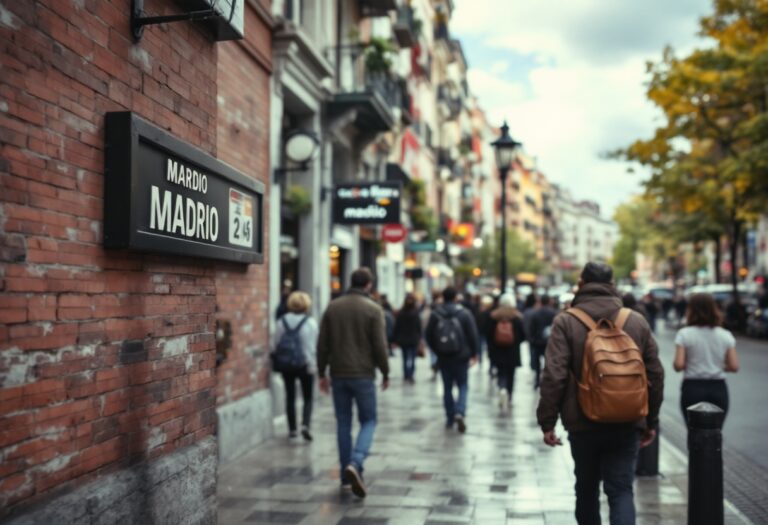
353 340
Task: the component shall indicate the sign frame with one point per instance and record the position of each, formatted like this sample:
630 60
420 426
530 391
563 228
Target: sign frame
127 137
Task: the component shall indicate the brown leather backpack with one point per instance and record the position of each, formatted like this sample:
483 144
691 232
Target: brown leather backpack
614 385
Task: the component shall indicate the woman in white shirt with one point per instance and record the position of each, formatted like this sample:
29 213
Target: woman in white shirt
704 353
298 304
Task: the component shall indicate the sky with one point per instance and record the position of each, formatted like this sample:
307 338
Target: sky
569 77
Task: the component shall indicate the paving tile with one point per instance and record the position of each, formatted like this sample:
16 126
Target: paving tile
420 473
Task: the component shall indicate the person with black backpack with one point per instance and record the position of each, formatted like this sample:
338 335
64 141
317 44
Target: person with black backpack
505 332
294 357
452 335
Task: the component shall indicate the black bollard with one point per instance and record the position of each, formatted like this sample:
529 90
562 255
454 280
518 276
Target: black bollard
648 458
705 464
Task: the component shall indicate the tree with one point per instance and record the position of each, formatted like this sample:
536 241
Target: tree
709 160
642 228
521 255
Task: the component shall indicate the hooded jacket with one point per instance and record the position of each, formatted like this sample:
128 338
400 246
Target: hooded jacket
505 356
564 354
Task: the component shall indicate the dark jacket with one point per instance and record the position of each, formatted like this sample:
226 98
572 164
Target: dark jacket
471 341
564 356
352 339
407 330
505 356
541 318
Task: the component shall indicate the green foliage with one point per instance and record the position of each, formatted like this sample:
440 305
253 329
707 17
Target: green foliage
378 55
298 200
709 158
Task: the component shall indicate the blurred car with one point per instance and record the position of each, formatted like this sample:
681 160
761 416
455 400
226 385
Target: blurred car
659 292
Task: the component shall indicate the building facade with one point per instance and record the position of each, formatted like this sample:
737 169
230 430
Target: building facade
126 372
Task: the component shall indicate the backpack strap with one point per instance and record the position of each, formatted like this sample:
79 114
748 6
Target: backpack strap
297 327
582 316
624 314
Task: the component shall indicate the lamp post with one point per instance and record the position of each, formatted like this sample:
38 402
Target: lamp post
506 150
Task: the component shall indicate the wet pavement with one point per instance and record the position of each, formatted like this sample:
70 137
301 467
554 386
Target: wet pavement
499 472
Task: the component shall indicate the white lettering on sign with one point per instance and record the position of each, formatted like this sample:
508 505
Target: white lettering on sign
240 218
189 217
185 176
368 192
371 212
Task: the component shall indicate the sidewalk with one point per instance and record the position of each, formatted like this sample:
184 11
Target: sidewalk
499 472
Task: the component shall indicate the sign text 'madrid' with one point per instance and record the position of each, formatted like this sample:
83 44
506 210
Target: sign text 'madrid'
165 195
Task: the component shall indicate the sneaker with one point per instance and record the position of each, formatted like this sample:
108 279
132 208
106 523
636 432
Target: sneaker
356 480
305 434
503 397
460 424
292 434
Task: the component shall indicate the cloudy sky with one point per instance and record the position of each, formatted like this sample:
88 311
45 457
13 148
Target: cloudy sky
569 76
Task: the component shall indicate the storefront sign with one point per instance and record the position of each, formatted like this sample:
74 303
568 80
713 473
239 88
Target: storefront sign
164 195
424 246
393 233
367 203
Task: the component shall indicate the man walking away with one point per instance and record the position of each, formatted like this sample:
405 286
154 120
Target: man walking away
540 328
353 343
452 335
602 451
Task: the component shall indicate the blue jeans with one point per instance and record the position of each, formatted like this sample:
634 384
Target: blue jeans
454 372
409 361
363 392
609 456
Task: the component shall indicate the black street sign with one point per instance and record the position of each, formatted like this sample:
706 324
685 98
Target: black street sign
165 195
367 203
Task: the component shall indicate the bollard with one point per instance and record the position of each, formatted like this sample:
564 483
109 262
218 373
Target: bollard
648 458
705 464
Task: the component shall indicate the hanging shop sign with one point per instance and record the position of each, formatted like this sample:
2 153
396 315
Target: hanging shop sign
423 246
367 203
164 195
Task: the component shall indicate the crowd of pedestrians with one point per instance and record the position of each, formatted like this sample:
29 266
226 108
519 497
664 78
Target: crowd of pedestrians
610 408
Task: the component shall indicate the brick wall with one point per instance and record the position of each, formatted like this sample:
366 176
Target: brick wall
70 410
242 294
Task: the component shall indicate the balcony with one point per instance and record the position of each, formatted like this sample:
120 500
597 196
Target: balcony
375 8
406 112
405 30
450 101
365 87
441 31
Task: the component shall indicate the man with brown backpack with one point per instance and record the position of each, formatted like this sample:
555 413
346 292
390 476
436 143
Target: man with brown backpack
604 379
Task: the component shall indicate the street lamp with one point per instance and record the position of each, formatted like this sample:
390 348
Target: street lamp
300 148
506 151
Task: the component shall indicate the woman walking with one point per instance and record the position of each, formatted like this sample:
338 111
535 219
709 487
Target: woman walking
407 335
298 319
504 333
704 353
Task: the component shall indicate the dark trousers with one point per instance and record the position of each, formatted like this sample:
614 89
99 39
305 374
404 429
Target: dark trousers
306 379
694 391
610 457
537 352
506 378
409 360
454 372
